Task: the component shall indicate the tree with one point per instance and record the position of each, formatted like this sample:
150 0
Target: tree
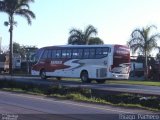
12 8
78 37
158 54
143 41
16 47
23 50
95 41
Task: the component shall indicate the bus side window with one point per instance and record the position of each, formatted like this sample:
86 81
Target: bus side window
92 53
80 53
38 55
58 54
99 53
86 53
64 54
44 56
75 53
68 54
53 54
49 54
105 51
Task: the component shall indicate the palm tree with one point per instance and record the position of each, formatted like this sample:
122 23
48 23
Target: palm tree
15 7
95 41
143 41
81 38
158 54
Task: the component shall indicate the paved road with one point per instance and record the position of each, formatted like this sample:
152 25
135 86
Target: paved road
39 107
141 89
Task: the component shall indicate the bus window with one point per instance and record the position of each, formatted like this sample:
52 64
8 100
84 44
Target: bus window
102 52
92 53
53 54
99 53
49 55
75 53
64 53
80 53
68 54
86 53
44 56
58 54
105 51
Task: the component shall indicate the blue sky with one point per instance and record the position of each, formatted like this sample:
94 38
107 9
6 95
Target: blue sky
114 20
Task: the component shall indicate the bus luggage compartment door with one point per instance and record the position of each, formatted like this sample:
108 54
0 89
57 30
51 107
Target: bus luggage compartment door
101 73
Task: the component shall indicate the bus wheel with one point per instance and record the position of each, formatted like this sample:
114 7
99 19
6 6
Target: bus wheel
43 74
100 81
84 77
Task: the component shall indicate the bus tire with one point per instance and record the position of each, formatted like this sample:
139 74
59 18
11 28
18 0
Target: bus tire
84 77
43 74
100 81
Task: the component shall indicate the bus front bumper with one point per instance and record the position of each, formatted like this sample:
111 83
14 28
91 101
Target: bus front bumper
120 76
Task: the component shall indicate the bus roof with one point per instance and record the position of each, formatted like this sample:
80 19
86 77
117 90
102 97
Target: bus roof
83 46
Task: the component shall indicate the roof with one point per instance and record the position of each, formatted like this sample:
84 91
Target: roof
84 46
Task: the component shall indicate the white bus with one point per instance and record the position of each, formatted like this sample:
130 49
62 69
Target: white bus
88 62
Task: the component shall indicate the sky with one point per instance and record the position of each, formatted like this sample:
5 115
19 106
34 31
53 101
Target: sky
113 19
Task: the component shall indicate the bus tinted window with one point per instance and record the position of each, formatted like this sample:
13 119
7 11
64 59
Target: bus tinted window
92 53
64 53
45 53
99 53
102 52
68 54
53 54
58 54
77 53
105 51
49 55
38 54
86 53
80 53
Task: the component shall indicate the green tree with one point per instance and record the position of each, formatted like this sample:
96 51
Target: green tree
158 54
95 41
23 50
12 8
16 47
79 37
143 40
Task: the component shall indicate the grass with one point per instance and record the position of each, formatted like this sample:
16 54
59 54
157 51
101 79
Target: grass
134 82
83 94
130 82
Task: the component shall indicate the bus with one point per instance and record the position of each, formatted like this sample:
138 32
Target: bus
87 62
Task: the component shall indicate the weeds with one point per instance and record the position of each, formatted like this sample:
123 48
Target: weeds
82 94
